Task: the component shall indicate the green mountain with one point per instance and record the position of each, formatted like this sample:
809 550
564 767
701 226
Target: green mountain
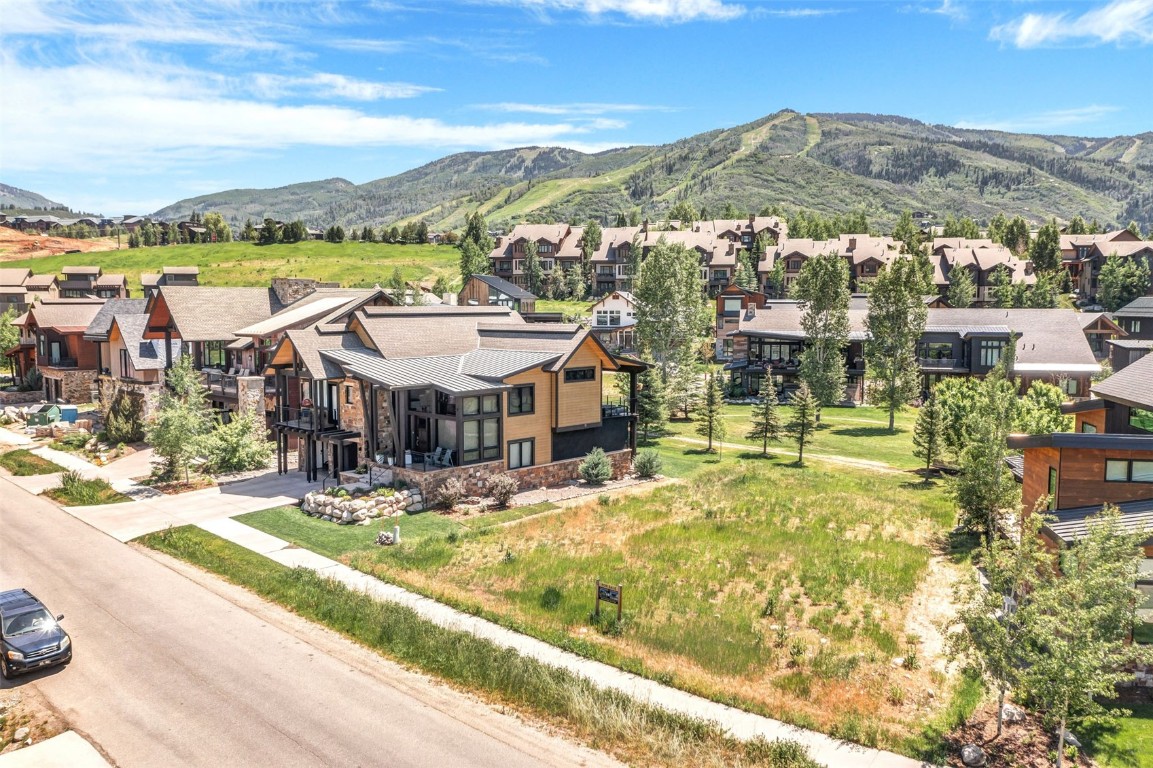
832 163
16 200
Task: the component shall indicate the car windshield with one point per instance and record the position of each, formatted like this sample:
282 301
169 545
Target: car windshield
33 621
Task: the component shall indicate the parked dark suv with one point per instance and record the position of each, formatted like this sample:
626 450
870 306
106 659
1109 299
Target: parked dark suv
30 636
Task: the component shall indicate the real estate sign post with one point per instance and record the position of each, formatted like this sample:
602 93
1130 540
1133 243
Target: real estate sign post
609 594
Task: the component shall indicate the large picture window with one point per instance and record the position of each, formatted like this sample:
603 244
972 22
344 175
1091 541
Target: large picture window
521 400
1141 419
481 440
991 352
520 454
572 375
214 354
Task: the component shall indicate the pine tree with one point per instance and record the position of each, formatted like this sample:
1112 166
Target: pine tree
766 421
1045 252
1121 281
671 314
652 404
712 423
575 285
962 289
906 232
533 274
929 434
1016 235
802 425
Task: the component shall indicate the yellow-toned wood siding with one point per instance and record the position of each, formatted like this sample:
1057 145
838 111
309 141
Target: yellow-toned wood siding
579 402
537 424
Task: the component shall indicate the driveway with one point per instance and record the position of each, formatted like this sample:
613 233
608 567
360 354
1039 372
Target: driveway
130 519
173 667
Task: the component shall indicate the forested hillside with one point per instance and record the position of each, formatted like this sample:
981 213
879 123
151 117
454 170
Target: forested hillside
833 163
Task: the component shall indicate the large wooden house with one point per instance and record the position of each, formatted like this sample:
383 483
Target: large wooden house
434 392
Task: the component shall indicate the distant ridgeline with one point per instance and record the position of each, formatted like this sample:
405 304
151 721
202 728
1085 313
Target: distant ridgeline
831 163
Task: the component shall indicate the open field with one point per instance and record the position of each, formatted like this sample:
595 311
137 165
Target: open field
858 433
350 264
637 733
782 590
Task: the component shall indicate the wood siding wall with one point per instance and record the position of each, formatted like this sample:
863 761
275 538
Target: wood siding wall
1081 477
539 423
579 403
1094 418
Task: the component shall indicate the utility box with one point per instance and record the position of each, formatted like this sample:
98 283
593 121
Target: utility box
44 415
68 413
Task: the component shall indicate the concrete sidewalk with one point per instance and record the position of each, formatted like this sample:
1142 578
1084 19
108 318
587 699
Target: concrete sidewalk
741 724
67 750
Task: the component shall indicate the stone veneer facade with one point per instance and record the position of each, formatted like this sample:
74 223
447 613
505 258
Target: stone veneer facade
475 476
76 384
21 398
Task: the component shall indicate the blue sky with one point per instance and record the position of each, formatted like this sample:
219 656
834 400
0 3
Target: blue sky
124 107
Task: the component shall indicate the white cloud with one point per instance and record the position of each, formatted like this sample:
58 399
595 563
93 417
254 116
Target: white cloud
173 119
324 84
1052 121
573 109
796 13
1120 21
947 8
641 10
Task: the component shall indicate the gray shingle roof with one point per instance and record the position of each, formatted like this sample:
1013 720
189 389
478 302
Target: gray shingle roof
146 355
399 332
102 322
310 342
1142 307
1132 385
210 313
1050 339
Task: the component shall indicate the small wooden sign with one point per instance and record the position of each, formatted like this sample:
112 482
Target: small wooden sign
609 594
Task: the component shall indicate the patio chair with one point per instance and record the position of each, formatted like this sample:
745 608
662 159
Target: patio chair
433 459
446 460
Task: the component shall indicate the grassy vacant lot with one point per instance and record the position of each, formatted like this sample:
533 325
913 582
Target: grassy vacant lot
23 462
350 264
841 432
783 590
635 732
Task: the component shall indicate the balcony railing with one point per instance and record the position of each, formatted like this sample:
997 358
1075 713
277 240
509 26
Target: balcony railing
614 408
938 363
58 362
224 384
311 419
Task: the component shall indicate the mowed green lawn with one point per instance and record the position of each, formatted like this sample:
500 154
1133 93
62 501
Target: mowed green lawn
856 433
781 589
350 264
1129 745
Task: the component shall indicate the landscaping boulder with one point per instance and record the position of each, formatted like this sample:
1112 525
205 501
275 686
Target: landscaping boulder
973 756
1072 741
1012 714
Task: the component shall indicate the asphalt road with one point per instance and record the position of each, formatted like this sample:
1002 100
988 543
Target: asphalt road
173 667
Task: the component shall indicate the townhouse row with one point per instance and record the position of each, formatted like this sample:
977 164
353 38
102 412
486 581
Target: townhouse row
721 242
354 377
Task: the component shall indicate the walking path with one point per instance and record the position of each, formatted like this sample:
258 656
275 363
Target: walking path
67 750
743 725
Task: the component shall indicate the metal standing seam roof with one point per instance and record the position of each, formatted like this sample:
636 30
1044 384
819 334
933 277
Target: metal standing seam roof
1131 343
458 374
1070 525
504 286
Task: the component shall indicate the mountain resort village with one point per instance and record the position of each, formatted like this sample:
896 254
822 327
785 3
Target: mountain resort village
589 425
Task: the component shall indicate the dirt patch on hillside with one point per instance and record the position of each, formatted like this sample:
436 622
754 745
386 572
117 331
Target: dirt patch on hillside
16 245
26 707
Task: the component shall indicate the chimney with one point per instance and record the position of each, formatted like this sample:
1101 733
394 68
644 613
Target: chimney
645 226
499 241
732 248
752 218
852 243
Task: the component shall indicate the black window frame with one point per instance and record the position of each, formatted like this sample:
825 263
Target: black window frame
1128 470
517 392
532 452
580 375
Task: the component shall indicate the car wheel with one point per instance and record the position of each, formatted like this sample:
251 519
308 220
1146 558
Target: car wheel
5 672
